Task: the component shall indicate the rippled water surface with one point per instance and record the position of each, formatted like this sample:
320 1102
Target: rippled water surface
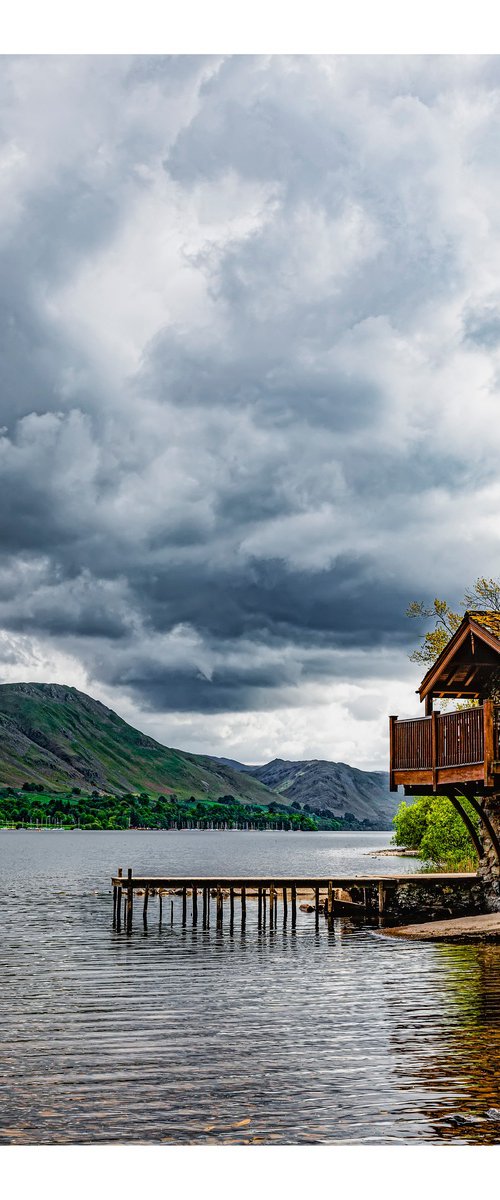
185 1035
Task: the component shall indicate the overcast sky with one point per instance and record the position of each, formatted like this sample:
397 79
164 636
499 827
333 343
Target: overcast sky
250 377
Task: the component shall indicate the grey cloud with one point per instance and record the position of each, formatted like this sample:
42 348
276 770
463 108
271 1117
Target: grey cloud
137 503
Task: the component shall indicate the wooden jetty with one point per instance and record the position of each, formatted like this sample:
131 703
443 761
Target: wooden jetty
332 896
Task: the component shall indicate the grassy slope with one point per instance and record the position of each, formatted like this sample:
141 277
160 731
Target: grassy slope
60 737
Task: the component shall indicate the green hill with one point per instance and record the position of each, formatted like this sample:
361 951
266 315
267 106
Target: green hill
61 738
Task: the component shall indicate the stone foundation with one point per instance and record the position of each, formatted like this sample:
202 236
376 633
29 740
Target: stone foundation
431 900
489 867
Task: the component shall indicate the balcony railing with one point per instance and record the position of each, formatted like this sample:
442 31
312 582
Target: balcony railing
446 747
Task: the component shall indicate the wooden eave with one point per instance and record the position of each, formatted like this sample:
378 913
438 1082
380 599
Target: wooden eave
430 682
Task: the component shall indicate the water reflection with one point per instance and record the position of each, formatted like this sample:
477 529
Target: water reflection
200 1035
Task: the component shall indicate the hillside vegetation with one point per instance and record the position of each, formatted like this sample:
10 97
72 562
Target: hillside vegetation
61 738
86 761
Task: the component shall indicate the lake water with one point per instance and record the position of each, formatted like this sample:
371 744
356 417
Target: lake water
204 1036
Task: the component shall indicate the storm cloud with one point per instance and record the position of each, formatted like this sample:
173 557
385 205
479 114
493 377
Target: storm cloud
250 376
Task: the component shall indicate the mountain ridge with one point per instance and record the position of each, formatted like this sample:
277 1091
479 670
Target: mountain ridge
58 736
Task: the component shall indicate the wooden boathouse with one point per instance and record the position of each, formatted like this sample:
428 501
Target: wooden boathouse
457 753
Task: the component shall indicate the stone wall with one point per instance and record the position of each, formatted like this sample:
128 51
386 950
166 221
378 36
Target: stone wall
489 867
430 899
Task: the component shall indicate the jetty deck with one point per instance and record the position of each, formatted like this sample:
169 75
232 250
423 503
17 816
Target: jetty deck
332 895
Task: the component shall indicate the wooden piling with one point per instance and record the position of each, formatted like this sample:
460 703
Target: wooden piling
294 905
330 904
271 906
218 908
115 898
259 907
381 898
160 897
285 906
145 906
171 913
195 906
119 908
243 905
231 905
184 905
130 900
204 913
316 906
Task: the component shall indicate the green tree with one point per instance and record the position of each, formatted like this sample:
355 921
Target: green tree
485 594
433 826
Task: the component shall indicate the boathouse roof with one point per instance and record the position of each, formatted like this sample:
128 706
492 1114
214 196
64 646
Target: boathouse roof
465 667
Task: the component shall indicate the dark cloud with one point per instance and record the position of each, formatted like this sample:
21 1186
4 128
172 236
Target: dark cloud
248 340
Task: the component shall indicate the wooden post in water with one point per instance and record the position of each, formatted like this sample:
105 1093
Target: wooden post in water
204 916
195 906
145 908
184 905
171 913
160 897
316 905
115 897
243 907
285 906
330 904
118 911
231 905
294 905
219 910
130 900
271 906
381 898
259 908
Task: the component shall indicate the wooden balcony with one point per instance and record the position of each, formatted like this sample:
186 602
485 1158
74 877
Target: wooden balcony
430 753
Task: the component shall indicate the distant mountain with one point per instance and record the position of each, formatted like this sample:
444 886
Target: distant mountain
329 788
60 737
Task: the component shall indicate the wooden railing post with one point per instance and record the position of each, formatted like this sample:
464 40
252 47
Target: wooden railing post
489 742
393 787
435 747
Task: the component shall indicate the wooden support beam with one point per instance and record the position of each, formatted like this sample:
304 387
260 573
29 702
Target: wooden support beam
434 747
218 908
392 747
294 905
119 908
160 898
171 913
381 898
489 742
231 905
486 821
205 907
130 900
454 799
115 898
184 905
285 906
145 905
330 904
195 906
259 907
243 905
316 905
